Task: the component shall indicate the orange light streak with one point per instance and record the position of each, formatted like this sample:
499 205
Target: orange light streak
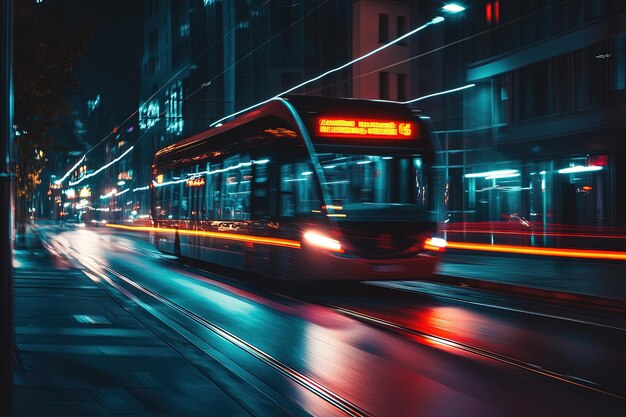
536 234
529 250
221 235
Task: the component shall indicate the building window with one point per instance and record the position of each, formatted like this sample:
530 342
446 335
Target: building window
599 73
383 85
533 96
402 87
154 41
149 114
383 28
401 29
561 83
174 109
153 7
619 62
183 30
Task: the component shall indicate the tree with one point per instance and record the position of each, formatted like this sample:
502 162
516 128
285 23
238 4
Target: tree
47 48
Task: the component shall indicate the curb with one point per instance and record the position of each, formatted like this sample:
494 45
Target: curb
554 295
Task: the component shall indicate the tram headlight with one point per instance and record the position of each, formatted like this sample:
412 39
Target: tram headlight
436 244
322 241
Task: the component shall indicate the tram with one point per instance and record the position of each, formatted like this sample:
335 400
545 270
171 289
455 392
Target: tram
303 188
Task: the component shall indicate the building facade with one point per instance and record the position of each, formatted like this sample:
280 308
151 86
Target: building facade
537 136
204 59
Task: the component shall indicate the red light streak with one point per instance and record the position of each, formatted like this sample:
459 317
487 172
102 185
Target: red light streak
221 235
529 250
488 12
496 10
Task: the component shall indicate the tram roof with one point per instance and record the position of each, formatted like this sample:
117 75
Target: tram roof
306 106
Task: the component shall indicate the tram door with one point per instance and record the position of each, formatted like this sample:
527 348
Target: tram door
196 213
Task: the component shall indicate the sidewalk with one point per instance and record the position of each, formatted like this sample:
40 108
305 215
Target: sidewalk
587 282
81 352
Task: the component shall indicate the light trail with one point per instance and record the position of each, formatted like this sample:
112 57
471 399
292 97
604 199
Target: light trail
221 235
529 250
535 234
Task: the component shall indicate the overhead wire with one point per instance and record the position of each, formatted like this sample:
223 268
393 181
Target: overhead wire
185 68
410 33
433 21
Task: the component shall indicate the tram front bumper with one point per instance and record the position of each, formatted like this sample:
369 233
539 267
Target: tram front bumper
320 265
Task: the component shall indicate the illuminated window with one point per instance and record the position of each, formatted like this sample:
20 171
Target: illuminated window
184 30
173 109
235 188
148 115
299 194
93 104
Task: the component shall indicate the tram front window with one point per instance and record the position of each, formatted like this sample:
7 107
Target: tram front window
375 185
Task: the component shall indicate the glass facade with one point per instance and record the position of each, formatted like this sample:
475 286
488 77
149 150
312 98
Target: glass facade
542 125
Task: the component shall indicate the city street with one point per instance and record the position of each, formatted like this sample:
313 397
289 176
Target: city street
320 208
397 349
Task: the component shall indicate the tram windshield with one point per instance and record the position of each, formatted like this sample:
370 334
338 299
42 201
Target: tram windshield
375 186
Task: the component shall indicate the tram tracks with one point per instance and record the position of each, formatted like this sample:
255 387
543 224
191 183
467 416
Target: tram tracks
443 341
128 287
412 289
434 339
311 385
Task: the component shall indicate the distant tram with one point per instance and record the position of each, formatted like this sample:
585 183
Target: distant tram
303 188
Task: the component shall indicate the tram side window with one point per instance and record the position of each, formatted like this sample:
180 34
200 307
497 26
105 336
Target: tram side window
299 195
175 205
184 195
213 194
162 203
192 193
235 188
352 179
421 183
260 198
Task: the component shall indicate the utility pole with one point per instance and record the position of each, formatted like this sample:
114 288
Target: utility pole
6 207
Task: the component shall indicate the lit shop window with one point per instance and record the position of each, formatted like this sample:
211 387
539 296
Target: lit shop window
174 109
148 115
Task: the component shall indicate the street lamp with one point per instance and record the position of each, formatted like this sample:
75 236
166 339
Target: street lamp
453 8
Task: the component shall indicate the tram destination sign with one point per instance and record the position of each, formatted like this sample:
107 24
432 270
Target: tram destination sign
365 128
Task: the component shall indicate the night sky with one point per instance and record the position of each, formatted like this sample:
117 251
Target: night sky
110 66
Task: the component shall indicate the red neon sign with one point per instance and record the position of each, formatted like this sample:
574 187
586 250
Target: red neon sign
365 128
